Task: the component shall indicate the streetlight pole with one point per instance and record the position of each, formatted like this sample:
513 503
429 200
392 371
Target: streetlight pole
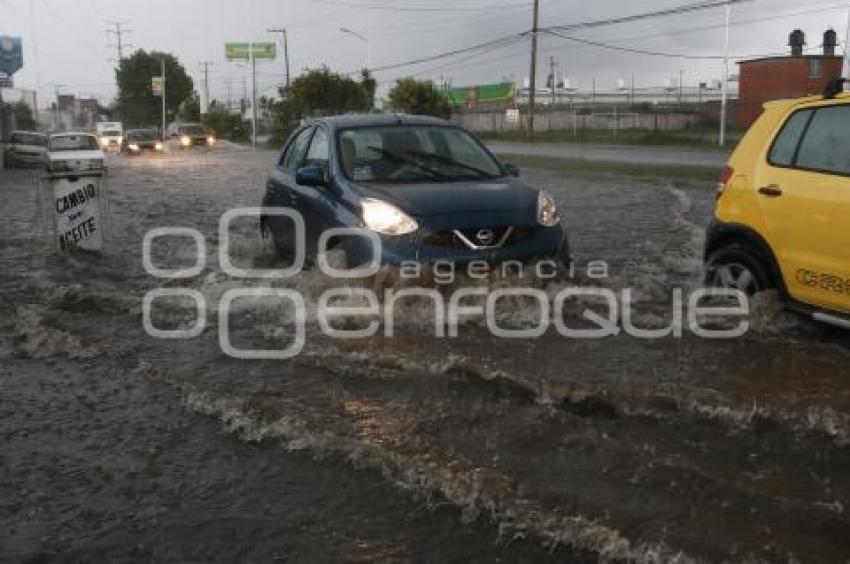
282 31
364 40
162 69
725 86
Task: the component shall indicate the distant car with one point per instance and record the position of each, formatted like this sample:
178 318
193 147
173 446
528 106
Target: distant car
782 204
110 135
137 141
429 190
73 152
189 135
24 148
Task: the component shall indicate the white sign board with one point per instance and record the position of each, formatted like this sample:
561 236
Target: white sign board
156 85
76 212
512 116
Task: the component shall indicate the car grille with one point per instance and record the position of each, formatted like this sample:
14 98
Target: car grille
478 237
200 141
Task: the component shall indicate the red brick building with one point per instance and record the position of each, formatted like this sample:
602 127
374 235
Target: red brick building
777 78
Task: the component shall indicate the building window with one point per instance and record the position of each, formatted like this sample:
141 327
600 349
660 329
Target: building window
814 68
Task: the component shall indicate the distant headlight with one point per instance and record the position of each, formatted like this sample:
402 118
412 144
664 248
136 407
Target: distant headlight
158 146
185 140
211 140
547 211
134 147
386 218
104 142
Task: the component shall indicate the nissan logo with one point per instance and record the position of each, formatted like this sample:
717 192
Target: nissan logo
485 236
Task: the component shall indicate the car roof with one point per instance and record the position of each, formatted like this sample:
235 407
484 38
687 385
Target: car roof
25 132
72 134
372 120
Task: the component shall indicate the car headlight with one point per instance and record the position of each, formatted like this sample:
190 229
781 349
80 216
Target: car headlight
134 147
210 140
158 146
547 211
185 141
386 218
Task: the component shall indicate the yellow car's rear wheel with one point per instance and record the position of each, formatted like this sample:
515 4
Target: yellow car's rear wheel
736 267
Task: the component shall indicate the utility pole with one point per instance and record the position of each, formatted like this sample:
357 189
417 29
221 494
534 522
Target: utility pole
162 66
532 87
205 108
119 33
282 31
845 72
253 95
681 90
725 86
554 79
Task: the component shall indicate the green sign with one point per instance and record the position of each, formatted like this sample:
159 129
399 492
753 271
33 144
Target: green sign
242 51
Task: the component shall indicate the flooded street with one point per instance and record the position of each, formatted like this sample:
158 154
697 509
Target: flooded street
118 445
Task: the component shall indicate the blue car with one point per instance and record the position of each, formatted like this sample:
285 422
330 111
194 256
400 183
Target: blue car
429 190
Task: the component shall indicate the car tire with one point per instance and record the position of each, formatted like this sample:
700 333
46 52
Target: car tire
283 249
737 267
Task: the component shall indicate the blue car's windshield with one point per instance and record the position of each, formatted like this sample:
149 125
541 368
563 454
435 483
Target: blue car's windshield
414 153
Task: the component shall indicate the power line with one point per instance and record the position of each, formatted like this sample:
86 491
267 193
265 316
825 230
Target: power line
630 49
676 10
397 8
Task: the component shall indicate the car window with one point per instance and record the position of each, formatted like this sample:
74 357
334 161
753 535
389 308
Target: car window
785 146
319 153
297 150
413 153
73 143
28 139
824 147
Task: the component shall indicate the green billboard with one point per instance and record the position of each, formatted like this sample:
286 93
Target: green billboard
242 51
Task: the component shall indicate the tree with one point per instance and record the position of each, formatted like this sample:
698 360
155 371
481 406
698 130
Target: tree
24 119
370 85
225 124
421 97
137 105
318 92
321 91
190 109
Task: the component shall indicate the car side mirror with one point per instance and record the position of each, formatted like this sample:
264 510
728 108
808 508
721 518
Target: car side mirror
511 169
310 176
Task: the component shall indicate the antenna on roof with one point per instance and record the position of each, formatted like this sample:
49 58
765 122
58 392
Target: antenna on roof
834 87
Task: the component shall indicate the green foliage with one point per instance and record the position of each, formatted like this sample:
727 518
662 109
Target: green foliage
137 106
318 92
24 119
324 92
370 85
224 124
190 109
421 97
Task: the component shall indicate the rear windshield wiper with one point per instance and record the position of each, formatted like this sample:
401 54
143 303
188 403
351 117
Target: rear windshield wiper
402 159
451 161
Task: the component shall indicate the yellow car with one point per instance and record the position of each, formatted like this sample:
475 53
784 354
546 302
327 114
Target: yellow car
782 218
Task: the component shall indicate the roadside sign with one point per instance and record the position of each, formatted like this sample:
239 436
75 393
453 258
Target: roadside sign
11 54
242 51
77 214
156 85
6 81
512 116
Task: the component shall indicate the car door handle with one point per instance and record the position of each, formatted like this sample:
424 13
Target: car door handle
772 191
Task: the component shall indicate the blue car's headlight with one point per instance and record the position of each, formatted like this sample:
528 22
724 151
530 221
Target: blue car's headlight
547 211
386 218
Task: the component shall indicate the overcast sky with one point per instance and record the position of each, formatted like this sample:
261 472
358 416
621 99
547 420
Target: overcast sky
65 41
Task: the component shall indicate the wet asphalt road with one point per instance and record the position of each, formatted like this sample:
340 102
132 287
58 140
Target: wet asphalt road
415 447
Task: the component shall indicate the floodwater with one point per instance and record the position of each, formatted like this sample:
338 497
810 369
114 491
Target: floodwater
412 446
